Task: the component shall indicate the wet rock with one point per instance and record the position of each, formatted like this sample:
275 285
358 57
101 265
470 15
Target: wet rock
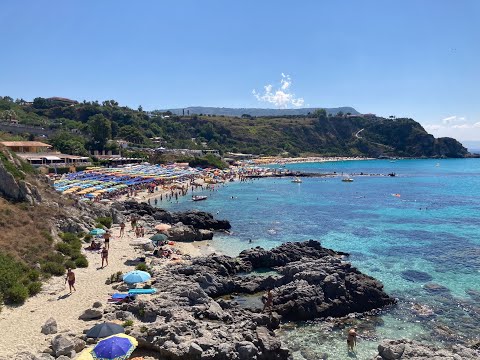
435 288
50 327
408 349
416 276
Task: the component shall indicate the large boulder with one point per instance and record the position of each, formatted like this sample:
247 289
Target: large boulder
50 327
91 314
62 345
183 233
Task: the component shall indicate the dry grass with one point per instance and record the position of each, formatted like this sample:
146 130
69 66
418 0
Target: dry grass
25 231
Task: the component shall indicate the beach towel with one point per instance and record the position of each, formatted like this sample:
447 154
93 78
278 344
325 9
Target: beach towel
142 291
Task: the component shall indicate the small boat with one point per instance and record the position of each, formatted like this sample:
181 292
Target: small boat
297 180
347 180
199 197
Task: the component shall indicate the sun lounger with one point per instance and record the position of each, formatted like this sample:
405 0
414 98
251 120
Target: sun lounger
142 291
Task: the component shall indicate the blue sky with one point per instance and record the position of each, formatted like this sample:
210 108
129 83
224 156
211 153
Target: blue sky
416 58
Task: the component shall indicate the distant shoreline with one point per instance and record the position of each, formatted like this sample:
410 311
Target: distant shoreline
299 160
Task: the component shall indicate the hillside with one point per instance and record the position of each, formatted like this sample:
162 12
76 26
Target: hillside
257 111
77 128
41 230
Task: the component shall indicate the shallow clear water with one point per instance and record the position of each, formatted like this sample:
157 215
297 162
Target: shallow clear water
432 227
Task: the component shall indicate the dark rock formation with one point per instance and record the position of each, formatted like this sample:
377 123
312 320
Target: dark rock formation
195 314
408 349
196 219
416 276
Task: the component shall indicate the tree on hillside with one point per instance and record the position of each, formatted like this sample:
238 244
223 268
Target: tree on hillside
320 113
100 131
132 134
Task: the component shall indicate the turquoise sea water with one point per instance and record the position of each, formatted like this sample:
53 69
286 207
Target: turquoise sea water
432 227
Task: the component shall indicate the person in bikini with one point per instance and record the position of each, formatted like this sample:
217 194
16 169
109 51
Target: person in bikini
106 237
104 256
71 280
352 339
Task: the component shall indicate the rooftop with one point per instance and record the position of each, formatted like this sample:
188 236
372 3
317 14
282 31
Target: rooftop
24 143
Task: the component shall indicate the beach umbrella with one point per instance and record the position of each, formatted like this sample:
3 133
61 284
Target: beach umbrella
163 227
136 276
105 329
158 237
86 354
116 347
97 232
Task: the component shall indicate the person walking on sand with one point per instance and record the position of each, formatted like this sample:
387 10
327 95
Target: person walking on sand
71 280
122 229
269 301
104 256
352 339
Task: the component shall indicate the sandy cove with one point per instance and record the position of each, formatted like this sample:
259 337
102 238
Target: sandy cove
21 325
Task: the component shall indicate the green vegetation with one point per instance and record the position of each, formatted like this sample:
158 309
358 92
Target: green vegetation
81 262
91 125
127 323
17 281
142 267
105 221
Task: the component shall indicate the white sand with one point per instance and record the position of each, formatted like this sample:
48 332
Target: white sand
20 326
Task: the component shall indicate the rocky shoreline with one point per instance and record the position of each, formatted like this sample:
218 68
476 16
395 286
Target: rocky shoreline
196 316
210 307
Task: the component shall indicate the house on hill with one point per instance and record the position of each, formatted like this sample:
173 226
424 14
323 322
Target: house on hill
41 154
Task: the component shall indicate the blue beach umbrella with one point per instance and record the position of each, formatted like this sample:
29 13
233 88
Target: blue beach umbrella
116 347
97 232
136 276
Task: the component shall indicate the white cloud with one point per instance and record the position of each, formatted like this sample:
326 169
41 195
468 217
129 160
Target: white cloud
454 118
281 97
433 127
462 126
476 125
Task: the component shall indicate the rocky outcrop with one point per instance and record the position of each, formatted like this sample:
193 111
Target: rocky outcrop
16 188
197 315
196 219
408 349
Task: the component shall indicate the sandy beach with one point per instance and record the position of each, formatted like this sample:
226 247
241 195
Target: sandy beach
21 325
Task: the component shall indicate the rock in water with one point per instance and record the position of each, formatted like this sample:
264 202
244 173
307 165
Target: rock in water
50 327
416 276
408 349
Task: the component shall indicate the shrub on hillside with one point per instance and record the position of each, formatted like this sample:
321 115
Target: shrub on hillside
70 264
53 268
34 288
105 221
142 267
69 237
33 275
55 258
64 248
88 238
81 261
17 294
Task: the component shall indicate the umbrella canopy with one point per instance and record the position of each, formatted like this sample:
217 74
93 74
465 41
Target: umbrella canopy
86 354
136 276
105 329
163 227
116 347
97 232
158 237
